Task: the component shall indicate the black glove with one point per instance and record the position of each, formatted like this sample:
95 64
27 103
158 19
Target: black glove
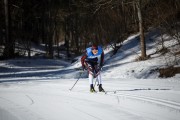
83 67
101 65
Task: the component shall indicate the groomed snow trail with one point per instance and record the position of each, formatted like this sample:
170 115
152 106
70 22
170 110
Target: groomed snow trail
126 99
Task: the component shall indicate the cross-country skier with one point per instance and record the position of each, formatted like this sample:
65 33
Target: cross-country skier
92 61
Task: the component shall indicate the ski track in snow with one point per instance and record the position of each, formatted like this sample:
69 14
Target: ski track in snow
52 100
161 102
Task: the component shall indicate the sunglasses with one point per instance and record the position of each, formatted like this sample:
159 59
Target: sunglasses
94 48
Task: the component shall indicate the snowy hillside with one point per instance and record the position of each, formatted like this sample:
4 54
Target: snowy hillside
38 89
125 65
121 65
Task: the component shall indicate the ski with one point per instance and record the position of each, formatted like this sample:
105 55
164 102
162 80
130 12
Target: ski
110 92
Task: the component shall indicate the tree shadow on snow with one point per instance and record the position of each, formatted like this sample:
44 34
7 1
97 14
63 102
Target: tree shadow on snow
132 47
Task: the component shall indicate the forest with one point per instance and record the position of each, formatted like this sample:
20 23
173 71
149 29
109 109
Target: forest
72 25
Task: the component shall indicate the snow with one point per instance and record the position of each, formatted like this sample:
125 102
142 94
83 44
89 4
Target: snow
38 89
52 100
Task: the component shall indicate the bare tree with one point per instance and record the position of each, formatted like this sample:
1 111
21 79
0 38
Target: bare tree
141 30
9 44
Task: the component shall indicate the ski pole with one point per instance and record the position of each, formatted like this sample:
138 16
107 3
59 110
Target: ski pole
96 76
95 82
76 81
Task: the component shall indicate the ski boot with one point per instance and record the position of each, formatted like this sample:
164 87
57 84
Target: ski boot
92 88
100 88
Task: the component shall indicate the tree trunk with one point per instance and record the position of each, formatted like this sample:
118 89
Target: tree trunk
76 34
141 31
50 30
9 44
67 36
